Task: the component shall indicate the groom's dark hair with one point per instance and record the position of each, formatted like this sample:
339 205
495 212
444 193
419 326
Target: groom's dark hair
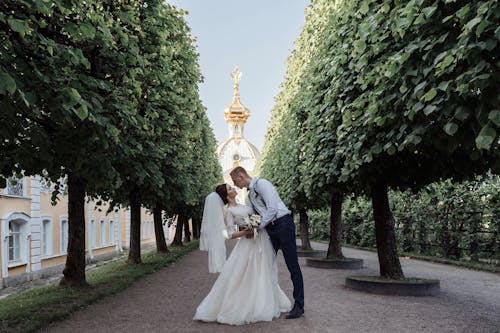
221 190
239 171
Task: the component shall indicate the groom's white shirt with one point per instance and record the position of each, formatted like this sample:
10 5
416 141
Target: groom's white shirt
266 201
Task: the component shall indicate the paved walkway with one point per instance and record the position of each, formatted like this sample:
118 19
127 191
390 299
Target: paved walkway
166 301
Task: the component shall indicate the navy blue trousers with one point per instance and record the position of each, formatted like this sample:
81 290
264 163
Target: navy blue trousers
282 236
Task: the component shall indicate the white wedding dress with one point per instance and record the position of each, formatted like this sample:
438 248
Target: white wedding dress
247 289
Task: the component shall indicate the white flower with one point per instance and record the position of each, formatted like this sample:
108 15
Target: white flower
251 221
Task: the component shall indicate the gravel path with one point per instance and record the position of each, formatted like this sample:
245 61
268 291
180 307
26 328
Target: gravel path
166 301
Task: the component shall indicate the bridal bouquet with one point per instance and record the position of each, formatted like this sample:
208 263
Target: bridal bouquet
252 221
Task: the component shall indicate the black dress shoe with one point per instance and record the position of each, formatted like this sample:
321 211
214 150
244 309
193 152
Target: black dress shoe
296 312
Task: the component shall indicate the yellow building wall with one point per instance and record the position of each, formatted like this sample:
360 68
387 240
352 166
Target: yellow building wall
57 213
60 211
104 250
14 204
53 261
17 270
100 213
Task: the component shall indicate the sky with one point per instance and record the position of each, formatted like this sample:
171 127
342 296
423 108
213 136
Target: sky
255 35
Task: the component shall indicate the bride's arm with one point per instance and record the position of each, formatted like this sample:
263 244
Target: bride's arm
230 227
238 234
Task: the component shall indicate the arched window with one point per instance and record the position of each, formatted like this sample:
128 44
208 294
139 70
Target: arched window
15 248
14 241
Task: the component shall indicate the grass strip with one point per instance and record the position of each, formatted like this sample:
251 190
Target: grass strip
36 308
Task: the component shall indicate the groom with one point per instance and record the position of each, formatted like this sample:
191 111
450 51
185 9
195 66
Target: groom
278 221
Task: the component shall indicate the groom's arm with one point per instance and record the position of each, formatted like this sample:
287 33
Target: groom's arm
270 198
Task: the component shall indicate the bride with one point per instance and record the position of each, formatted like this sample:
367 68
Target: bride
247 289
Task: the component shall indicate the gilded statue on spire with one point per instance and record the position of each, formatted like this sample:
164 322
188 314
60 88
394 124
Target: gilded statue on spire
236 75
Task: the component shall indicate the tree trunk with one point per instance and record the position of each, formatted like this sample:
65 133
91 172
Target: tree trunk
178 230
187 233
74 270
161 244
335 246
390 267
196 227
134 254
304 229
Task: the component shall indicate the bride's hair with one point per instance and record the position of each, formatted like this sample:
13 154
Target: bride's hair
221 190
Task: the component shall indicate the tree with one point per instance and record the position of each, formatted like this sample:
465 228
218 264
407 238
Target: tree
283 153
404 108
60 93
400 95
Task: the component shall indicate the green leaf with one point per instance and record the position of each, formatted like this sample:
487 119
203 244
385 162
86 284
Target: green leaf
87 30
364 8
419 87
462 113
480 28
71 28
7 83
417 106
18 26
494 116
82 112
486 137
463 11
447 61
428 11
472 23
429 109
376 149
430 95
444 85
450 128
74 95
415 139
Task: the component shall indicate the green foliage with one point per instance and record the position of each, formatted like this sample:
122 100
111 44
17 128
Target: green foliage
414 92
399 93
283 156
406 91
445 219
108 92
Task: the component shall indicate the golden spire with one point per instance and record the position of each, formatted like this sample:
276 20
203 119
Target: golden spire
236 112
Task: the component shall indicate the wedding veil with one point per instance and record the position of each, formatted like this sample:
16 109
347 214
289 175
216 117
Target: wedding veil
211 233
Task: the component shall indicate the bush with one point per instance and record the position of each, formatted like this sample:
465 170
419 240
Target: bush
445 219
